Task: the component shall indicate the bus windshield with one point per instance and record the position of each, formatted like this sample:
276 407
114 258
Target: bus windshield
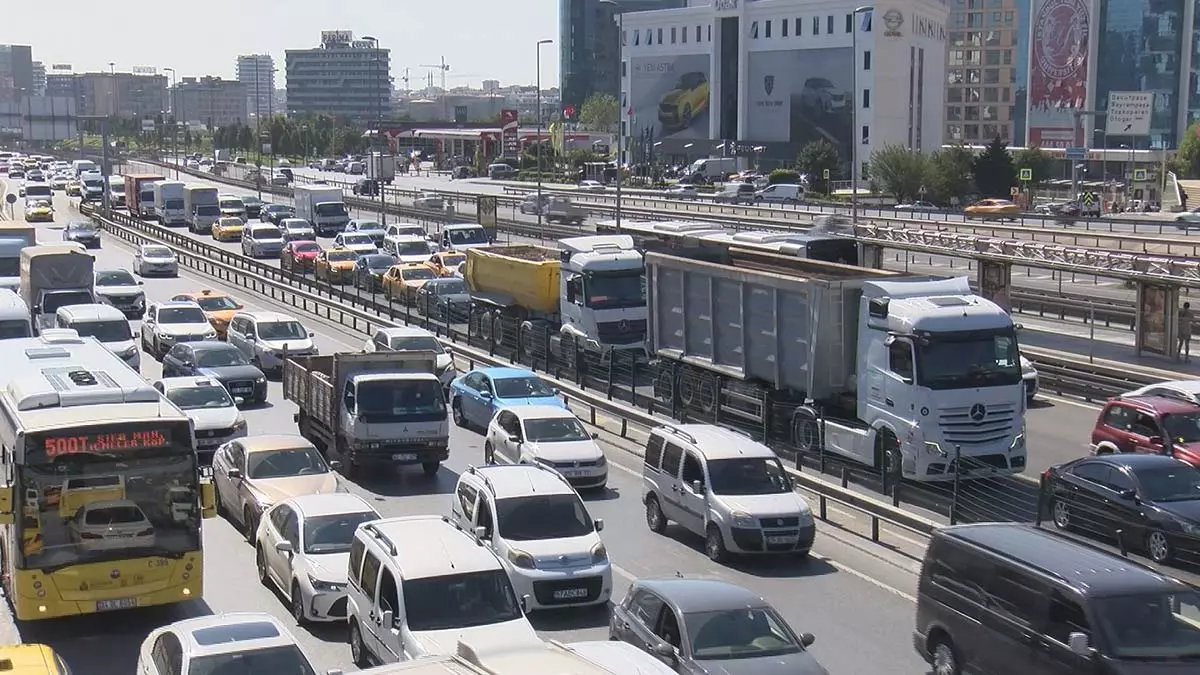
119 504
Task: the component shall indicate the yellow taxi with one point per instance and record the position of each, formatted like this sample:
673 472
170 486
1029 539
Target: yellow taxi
74 189
402 281
228 228
217 306
994 209
335 266
446 263
39 211
32 659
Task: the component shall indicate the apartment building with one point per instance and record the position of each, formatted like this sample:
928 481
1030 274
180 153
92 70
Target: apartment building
256 72
212 101
343 76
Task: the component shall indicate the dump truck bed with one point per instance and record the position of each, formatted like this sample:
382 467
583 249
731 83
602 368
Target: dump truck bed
523 276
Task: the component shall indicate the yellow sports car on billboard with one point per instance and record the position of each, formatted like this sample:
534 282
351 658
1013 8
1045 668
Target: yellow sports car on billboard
683 104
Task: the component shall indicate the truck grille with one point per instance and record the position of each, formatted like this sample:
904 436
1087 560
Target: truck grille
621 332
977 424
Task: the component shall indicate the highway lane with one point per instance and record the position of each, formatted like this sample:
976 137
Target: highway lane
840 596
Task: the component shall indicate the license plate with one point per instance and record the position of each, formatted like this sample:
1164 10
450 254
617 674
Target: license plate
120 603
207 442
570 593
242 390
405 457
572 473
781 540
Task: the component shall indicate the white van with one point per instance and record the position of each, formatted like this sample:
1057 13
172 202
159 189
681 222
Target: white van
105 323
15 320
82 166
780 193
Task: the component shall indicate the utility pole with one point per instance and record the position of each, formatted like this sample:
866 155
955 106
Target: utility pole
175 122
1078 136
540 208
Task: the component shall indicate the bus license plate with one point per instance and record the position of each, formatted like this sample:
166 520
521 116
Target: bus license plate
570 594
120 603
405 457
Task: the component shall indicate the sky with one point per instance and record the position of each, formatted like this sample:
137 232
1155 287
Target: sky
479 39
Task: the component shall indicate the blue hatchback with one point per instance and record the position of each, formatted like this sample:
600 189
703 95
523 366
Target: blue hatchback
478 394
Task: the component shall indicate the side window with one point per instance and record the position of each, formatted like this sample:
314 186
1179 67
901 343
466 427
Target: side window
239 456
278 517
654 448
370 573
646 606
389 595
900 358
485 519
291 529
466 497
357 549
1065 617
672 456
158 653
1017 595
959 571
471 381
485 383
1095 472
61 665
1118 417
692 469
167 654
1144 425
1119 480
381 340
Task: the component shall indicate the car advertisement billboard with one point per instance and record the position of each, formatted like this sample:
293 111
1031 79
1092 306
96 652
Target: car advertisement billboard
669 94
801 95
1058 71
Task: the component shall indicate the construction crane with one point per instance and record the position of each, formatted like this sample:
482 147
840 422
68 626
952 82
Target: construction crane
405 80
443 67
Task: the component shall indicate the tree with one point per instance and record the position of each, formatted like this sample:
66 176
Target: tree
993 170
899 171
1037 161
950 174
786 176
1187 158
600 112
814 159
245 138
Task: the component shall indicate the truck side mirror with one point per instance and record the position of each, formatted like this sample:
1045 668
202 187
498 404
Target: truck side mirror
1078 644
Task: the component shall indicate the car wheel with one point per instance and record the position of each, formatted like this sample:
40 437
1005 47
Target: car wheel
260 563
489 453
655 519
1060 513
358 651
1158 547
249 524
714 545
456 410
944 658
297 603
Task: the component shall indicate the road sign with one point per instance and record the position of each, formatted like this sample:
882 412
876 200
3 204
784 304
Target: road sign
825 174
1129 113
10 198
1014 191
1139 175
1088 198
1027 175
266 148
485 211
147 126
1076 153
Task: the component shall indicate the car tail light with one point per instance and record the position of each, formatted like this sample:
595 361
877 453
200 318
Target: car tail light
89 535
144 533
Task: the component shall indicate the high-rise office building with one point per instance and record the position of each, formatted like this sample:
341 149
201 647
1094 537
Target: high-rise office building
343 77
212 100
121 94
39 78
986 71
257 73
16 71
589 53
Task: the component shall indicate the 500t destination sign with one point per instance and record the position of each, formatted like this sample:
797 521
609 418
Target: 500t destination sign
56 446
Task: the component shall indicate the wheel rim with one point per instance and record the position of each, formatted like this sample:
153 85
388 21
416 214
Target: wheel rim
458 413
1159 547
714 545
943 660
262 566
652 513
297 603
355 644
1062 515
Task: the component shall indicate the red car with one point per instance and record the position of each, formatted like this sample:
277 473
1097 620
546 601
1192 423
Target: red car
299 256
1149 424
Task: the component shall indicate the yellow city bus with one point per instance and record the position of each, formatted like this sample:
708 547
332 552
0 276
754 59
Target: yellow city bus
95 464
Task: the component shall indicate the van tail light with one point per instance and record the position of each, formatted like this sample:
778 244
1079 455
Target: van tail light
145 533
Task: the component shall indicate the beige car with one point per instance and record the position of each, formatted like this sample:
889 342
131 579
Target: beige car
252 474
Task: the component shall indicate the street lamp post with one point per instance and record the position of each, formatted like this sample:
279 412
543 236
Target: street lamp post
539 45
855 140
376 63
620 104
175 122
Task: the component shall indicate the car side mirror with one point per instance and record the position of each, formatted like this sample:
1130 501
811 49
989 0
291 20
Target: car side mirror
238 400
311 334
1129 495
234 474
595 435
141 283
486 395
1156 440
388 617
249 338
698 487
1078 643
284 547
525 603
480 533
598 524
665 651
807 639
513 438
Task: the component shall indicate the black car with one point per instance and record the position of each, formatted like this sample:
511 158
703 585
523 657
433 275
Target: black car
366 187
273 213
1153 500
369 271
220 361
444 299
83 232
253 205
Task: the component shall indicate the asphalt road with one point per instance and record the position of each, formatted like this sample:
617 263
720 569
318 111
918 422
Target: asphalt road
856 598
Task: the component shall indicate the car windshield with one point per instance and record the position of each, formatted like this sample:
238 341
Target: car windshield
216 303
378 263
333 534
14 328
966 359
282 330
75 227
232 204
342 256
538 517
453 260
1177 482
743 633
357 239
555 430
284 463
615 290
416 273
368 226
474 235
408 343
381 402
117 187
307 247
1154 627
1182 427
157 252
459 601
114 515
284 659
412 248
252 201
449 287
297 226
748 476
204 396
115 278
529 386
266 233
181 315
276 208
116 330
218 357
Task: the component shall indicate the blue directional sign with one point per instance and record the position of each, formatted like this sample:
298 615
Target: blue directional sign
1076 153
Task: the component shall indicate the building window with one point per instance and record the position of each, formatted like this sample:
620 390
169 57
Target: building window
867 60
953 113
971 113
660 39
698 33
816 25
649 37
708 37
954 95
866 96
767 29
799 27
783 27
849 23
1004 94
989 112
829 25
637 38
1008 18
954 77
974 76
682 34
972 95
991 76
971 132
624 38
991 58
1007 57
624 69
754 30
866 135
673 34
991 95
955 131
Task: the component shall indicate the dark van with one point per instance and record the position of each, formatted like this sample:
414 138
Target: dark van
1004 598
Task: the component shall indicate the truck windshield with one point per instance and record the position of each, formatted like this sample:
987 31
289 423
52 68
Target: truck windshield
612 290
174 204
412 248
118 188
331 209
146 196
116 330
472 235
211 210
748 476
52 301
400 401
10 267
94 184
14 328
459 600
968 359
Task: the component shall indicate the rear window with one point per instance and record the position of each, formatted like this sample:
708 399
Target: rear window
114 515
240 632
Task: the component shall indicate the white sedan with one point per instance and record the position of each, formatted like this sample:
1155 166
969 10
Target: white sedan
359 242
550 436
214 413
303 547
682 192
430 200
590 186
113 524
916 206
243 642
1188 220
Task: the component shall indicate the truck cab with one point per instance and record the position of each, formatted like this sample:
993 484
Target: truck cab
603 291
462 236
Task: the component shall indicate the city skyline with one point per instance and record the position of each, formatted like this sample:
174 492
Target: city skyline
469 42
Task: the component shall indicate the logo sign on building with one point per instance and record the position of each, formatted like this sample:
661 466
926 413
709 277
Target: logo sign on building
726 5
1129 113
509 122
1058 70
62 67
893 20
144 70
336 37
147 126
363 44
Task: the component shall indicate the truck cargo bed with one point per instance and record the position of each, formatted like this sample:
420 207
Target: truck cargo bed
522 276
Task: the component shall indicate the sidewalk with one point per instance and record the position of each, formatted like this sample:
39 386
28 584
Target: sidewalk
1113 346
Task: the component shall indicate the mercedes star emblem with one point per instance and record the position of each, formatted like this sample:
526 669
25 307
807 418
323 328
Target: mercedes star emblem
978 412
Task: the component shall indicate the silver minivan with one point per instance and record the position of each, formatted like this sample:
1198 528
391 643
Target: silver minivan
105 323
264 337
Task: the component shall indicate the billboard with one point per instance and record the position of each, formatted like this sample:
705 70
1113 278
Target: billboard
1129 113
1058 71
670 95
801 95
332 37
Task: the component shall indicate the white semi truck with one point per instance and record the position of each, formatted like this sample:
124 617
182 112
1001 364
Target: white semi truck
900 373
323 207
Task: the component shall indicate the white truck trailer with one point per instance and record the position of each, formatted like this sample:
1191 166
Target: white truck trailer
323 207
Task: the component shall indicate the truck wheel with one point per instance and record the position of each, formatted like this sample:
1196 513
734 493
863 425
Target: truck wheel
806 430
431 468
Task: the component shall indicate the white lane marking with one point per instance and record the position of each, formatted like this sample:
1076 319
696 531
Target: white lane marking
1078 404
623 572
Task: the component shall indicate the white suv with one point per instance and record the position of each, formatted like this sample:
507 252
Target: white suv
418 585
540 529
725 487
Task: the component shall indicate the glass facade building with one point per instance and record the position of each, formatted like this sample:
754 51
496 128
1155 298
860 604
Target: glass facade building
986 68
1141 45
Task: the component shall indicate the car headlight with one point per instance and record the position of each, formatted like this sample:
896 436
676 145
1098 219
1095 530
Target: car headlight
210 335
322 586
164 336
239 425
260 380
599 554
603 461
129 351
742 519
1189 528
521 559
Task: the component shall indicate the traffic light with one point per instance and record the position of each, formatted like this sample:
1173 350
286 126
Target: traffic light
569 111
